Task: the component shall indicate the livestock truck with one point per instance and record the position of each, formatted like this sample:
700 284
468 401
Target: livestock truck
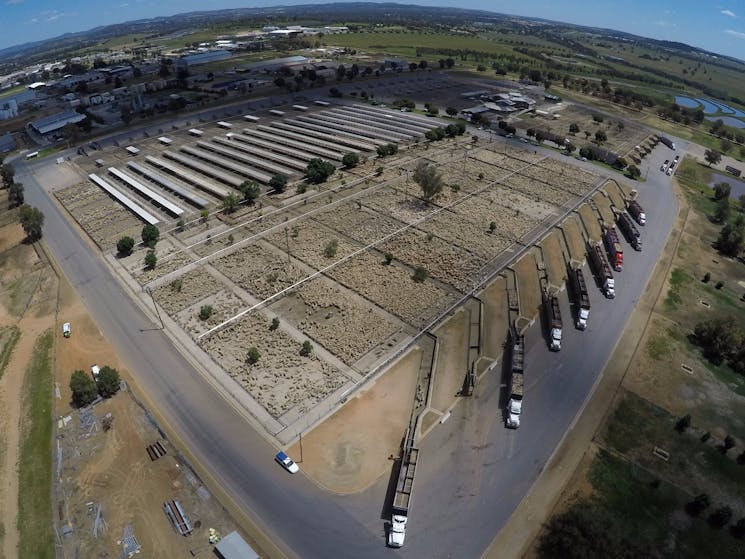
578 287
402 497
515 405
553 320
637 212
614 248
668 142
629 230
602 269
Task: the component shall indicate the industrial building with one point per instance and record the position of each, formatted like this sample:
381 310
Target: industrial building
185 62
52 123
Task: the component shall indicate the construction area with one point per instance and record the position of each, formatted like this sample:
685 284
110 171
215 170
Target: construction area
327 285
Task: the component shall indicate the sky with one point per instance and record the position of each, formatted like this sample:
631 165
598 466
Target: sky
717 27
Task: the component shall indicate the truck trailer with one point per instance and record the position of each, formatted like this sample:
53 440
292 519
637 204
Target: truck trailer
629 230
668 142
553 320
578 287
602 269
614 248
515 405
637 212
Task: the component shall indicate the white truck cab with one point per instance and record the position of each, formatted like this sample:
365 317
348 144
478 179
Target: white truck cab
397 533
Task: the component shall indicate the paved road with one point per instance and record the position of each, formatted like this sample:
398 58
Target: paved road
473 471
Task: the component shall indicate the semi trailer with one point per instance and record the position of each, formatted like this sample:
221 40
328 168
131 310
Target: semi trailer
637 212
578 288
602 269
515 404
614 248
629 230
553 320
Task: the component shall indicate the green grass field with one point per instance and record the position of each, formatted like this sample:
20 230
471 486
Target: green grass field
35 465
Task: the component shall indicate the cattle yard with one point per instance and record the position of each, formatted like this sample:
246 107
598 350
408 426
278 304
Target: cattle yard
328 283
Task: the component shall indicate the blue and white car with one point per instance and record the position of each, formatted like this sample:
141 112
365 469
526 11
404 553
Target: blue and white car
287 463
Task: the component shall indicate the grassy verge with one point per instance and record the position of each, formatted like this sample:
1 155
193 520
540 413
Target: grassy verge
9 338
36 538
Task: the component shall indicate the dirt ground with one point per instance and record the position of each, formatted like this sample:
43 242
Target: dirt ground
573 235
528 285
590 220
452 360
496 317
603 204
351 450
615 193
554 258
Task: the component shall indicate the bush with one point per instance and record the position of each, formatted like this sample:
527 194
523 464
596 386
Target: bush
176 285
108 381
253 356
722 190
719 285
180 225
307 349
683 423
150 235
387 149
150 259
84 389
275 324
705 437
331 248
492 227
204 216
698 505
251 191
125 245
278 183
420 274
388 258
205 311
720 517
707 277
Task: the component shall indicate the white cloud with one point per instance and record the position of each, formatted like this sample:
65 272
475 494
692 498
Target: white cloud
10 2
664 23
738 34
729 13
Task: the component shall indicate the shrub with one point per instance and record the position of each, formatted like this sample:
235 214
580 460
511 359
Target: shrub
307 349
108 381
205 311
275 324
720 517
176 285
253 356
125 245
180 225
420 274
150 235
683 423
150 259
719 285
350 160
492 227
707 277
388 258
331 248
204 215
84 389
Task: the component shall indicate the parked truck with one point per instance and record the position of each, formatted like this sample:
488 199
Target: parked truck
578 287
629 230
637 212
602 269
668 142
553 320
614 248
515 405
404 489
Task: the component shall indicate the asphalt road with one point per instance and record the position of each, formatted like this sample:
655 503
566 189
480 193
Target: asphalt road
473 472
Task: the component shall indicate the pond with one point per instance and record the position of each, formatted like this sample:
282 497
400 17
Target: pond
686 102
738 186
728 120
709 106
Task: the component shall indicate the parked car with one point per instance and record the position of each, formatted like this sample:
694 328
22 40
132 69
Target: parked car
287 463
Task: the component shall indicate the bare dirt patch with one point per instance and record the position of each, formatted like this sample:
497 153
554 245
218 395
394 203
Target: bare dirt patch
528 285
590 220
574 238
496 318
553 257
351 449
452 360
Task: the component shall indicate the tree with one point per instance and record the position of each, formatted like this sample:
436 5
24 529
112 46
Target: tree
253 356
451 111
726 145
278 183
8 173
712 157
125 245
150 235
251 191
720 517
683 423
722 190
600 137
719 338
32 221
84 389
731 239
108 381
350 160
698 505
633 171
15 195
729 442
318 170
307 349
229 203
275 324
722 210
429 179
150 259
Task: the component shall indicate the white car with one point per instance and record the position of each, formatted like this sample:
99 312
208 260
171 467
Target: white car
287 463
